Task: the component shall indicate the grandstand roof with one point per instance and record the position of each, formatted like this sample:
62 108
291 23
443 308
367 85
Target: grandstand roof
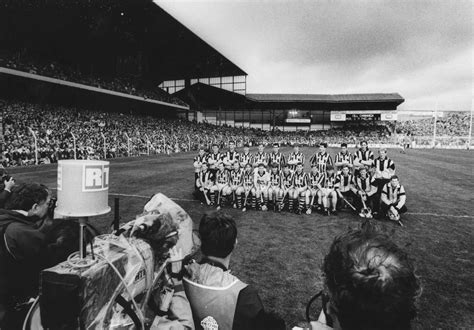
111 37
327 98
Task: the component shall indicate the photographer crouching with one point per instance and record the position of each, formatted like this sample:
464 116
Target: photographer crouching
23 249
6 185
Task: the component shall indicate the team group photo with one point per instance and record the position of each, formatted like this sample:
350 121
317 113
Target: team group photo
236 165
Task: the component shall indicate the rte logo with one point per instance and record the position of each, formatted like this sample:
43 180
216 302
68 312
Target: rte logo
95 178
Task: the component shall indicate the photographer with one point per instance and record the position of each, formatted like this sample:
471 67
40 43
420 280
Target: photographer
22 248
5 188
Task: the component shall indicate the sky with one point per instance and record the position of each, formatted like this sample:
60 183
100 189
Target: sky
422 50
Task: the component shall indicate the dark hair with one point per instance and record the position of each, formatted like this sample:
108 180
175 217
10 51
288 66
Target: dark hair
218 234
394 177
343 145
25 195
246 145
363 141
276 145
372 282
215 145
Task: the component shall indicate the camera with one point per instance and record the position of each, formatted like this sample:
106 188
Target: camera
51 207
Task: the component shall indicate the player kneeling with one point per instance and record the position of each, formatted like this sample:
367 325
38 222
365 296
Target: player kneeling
393 200
247 181
300 185
221 186
328 193
365 191
275 193
204 184
260 188
344 186
314 185
236 185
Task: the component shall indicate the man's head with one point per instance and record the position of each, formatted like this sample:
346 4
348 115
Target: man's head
330 169
246 148
275 147
261 168
260 147
322 147
363 145
218 234
363 172
286 168
344 148
274 168
202 151
314 168
371 282
215 148
232 145
296 148
204 167
299 167
220 166
383 153
394 181
236 166
30 197
248 168
345 170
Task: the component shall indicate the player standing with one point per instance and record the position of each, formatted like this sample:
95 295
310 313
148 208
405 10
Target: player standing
344 157
248 178
276 157
198 161
287 187
231 156
214 158
260 157
300 185
275 193
322 159
384 169
328 192
314 185
364 157
245 157
295 157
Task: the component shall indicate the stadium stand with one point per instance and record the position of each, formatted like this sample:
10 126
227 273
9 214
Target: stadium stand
453 124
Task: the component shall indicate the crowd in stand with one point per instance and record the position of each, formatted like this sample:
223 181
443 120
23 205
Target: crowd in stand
451 124
54 69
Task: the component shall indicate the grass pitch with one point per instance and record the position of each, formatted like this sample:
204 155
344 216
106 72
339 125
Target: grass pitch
281 254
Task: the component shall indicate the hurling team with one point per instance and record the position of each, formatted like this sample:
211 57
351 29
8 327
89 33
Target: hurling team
262 181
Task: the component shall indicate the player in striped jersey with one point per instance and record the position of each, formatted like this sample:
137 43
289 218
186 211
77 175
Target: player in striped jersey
276 157
198 161
204 183
245 157
236 185
322 159
343 157
247 181
275 193
260 187
365 190
221 186
295 157
314 185
231 156
344 185
260 157
328 191
214 158
287 187
300 185
384 169
393 199
364 157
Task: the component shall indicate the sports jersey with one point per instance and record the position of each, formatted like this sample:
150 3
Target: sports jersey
322 160
314 180
248 179
260 158
214 157
299 179
344 183
245 159
297 157
393 193
345 158
236 177
231 157
329 181
206 178
275 179
287 180
222 177
364 155
199 159
384 164
261 179
363 184
277 158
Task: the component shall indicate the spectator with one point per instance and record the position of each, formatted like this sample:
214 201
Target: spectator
217 297
370 283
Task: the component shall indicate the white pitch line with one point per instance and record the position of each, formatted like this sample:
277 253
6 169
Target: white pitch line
440 215
148 197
